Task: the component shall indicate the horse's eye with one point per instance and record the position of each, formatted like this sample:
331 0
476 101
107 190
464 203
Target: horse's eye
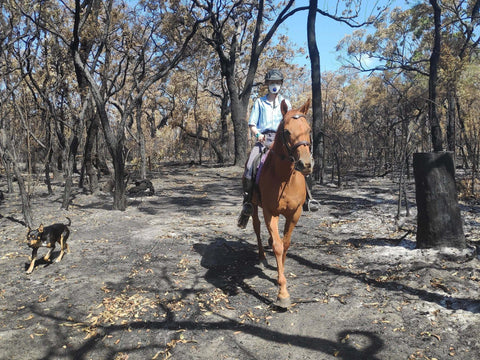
287 133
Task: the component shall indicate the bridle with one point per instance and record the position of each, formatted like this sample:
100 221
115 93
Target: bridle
291 149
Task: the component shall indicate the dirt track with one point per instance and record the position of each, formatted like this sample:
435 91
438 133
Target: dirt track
173 276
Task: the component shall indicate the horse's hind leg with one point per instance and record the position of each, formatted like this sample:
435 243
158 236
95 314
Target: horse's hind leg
256 226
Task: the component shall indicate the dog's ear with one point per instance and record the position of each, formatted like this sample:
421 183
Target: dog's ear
29 229
40 228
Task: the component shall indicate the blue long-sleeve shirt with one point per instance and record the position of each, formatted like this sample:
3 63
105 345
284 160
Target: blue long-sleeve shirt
265 115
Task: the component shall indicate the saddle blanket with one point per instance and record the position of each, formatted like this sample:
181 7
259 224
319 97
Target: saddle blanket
262 156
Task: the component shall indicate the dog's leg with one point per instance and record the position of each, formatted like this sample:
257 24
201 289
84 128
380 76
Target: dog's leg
62 251
65 238
32 264
47 257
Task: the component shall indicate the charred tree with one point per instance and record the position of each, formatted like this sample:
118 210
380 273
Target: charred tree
439 223
317 122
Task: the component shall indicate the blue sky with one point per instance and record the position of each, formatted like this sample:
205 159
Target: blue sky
328 31
328 34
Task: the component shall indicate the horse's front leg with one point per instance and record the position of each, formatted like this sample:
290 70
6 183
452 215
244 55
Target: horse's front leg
256 226
290 223
283 298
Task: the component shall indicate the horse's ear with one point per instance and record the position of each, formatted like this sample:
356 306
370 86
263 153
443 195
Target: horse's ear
305 107
284 107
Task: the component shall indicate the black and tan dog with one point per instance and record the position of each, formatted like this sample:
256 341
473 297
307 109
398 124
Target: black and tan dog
47 237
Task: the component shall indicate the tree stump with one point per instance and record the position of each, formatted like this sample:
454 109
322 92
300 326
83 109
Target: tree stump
439 223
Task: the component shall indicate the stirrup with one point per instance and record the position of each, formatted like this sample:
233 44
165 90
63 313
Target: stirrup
313 205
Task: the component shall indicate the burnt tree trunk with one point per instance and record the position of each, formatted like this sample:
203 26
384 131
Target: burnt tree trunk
436 130
69 166
89 155
141 139
439 223
24 194
317 122
238 110
118 159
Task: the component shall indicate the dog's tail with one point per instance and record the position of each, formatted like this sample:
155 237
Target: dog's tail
69 221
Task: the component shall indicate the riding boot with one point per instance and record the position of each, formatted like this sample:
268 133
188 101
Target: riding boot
247 207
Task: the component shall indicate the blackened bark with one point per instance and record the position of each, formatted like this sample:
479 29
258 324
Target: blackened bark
8 170
48 162
119 197
240 130
25 196
141 139
317 122
69 165
436 131
439 223
224 112
26 207
89 155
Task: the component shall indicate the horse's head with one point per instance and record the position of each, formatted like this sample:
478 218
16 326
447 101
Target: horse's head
296 136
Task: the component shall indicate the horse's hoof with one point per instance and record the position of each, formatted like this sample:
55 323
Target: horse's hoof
262 263
283 303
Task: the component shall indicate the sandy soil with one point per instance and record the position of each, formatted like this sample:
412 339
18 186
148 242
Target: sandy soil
173 277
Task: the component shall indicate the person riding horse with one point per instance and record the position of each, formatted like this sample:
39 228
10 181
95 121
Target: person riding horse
265 117
282 190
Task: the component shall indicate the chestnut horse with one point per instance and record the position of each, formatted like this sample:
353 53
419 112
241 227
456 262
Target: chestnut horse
282 188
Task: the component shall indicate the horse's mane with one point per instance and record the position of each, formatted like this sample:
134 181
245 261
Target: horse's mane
278 139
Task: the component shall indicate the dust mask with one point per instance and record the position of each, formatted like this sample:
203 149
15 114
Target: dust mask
274 88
